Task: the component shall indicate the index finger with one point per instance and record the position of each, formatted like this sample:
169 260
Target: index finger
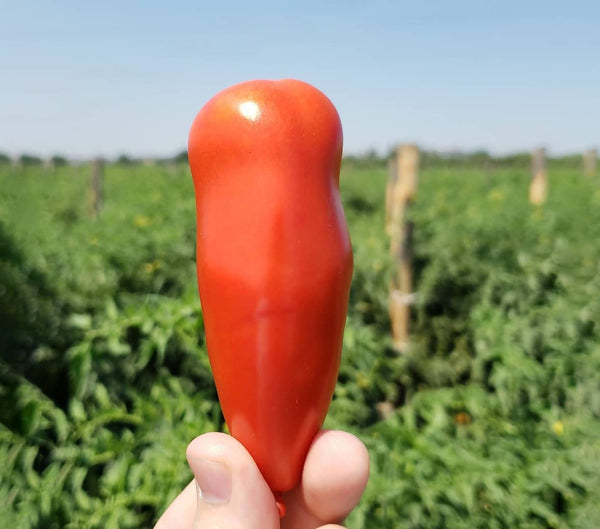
334 477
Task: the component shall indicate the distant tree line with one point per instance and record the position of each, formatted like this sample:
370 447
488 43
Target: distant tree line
27 159
466 159
472 159
32 160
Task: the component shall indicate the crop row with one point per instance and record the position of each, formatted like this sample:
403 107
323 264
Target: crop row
489 420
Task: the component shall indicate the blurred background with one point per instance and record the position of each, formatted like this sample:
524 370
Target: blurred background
477 393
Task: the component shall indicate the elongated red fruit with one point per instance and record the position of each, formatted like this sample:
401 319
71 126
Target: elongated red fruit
274 263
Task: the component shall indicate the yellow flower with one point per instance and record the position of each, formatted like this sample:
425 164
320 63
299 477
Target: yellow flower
362 381
141 221
558 427
496 195
149 268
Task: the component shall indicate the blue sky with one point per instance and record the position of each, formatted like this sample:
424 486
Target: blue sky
111 77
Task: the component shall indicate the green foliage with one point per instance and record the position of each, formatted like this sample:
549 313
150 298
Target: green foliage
181 157
124 159
30 159
59 161
490 420
497 406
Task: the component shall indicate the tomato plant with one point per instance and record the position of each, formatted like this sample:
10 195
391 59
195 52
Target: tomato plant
274 263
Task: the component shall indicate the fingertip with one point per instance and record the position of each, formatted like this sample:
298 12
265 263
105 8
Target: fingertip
213 445
231 489
335 474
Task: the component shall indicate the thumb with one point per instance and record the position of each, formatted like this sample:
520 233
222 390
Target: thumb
232 493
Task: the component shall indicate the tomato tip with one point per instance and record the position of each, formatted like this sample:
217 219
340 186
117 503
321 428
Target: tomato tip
280 505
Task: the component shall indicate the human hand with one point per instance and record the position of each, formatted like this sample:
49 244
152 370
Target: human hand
229 492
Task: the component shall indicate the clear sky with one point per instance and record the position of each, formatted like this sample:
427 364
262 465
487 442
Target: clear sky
84 78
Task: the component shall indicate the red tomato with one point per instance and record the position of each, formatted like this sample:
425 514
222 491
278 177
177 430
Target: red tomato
274 263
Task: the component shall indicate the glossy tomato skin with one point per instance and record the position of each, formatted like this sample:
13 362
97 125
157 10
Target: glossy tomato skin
274 263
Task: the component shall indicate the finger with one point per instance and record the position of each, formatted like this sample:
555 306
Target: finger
334 477
232 493
180 514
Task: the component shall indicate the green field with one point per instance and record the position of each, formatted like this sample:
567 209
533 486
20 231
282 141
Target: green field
104 377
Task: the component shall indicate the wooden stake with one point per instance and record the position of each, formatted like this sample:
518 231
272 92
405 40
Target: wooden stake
47 166
589 162
96 187
172 168
408 161
400 230
539 182
16 166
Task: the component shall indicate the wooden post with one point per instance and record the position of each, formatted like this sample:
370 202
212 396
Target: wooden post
172 168
589 162
400 230
96 187
539 182
47 166
16 166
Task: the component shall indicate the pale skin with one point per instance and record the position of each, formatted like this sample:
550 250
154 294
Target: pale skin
228 491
